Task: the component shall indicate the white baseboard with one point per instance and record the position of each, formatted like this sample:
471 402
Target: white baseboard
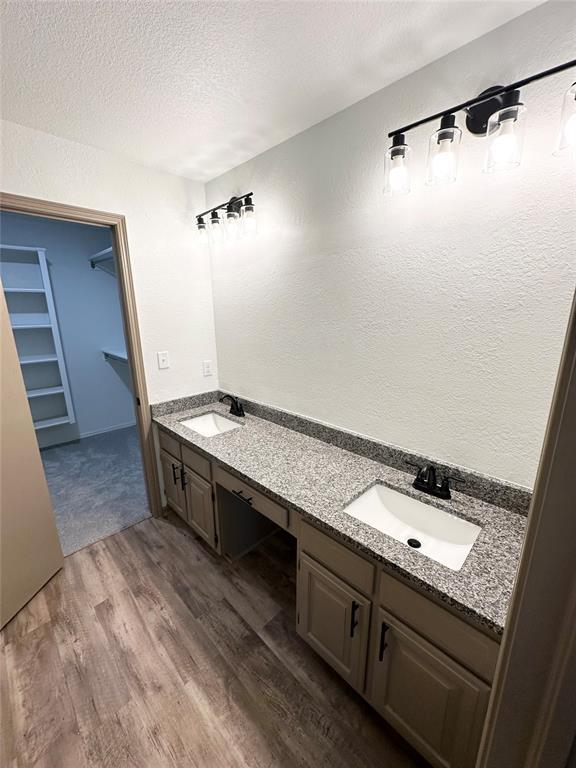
106 429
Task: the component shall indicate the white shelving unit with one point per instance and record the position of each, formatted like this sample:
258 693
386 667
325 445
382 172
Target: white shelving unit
26 283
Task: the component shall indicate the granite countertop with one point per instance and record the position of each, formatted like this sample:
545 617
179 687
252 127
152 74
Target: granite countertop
318 480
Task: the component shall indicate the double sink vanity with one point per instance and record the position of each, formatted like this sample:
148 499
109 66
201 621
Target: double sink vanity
403 594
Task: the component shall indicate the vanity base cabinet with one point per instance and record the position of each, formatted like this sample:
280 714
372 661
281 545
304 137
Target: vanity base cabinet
334 619
200 505
437 705
171 472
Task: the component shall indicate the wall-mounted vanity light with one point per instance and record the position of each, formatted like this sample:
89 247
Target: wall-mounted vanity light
228 220
497 114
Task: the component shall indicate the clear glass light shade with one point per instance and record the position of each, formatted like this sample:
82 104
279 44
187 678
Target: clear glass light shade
567 137
249 220
397 170
216 230
505 136
202 233
443 156
233 224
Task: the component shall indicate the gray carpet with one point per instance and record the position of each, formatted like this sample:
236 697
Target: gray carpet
97 486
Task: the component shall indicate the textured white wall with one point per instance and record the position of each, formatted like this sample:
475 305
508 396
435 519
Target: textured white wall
171 274
433 321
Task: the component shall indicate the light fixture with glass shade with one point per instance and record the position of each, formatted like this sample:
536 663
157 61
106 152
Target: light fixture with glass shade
233 218
216 228
505 134
397 168
443 152
249 222
237 215
567 137
202 231
496 114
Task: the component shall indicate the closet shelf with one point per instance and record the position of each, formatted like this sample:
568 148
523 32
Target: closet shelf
45 392
33 359
24 290
104 260
119 355
30 320
44 423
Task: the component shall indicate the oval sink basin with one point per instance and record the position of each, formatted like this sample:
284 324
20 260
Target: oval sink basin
427 529
210 424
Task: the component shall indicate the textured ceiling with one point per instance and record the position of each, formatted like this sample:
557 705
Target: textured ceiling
197 88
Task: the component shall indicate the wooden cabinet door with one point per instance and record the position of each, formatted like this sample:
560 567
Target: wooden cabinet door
200 506
437 705
334 619
171 472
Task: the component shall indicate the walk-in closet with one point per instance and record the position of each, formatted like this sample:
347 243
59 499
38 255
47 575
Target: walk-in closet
60 284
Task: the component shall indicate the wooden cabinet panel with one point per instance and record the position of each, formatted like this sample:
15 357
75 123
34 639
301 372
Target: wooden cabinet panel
259 502
169 444
437 705
351 567
200 505
464 643
197 463
334 619
171 472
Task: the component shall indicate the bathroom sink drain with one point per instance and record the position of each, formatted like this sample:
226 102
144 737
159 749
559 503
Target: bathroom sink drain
414 543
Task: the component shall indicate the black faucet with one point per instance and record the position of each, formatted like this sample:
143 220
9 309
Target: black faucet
236 407
426 480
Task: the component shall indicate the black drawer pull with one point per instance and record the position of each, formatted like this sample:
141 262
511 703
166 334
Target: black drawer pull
174 468
245 499
183 478
383 644
354 617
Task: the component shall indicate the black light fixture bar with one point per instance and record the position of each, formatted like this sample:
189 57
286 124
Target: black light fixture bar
233 200
485 97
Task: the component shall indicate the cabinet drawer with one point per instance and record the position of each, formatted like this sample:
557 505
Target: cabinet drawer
198 463
169 444
342 561
471 647
259 502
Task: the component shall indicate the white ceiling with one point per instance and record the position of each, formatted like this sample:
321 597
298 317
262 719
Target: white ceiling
197 88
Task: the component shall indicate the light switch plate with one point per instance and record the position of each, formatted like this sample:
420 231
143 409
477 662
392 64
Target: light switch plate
207 367
163 360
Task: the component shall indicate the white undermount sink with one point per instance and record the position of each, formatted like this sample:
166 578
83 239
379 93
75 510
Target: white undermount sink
210 424
429 530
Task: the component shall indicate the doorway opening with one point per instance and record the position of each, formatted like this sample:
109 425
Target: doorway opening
61 284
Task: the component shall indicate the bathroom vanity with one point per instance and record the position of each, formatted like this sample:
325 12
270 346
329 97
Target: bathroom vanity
416 639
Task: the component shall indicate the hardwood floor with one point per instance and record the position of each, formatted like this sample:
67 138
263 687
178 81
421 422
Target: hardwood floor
149 651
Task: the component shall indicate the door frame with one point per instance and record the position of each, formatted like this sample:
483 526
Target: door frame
117 223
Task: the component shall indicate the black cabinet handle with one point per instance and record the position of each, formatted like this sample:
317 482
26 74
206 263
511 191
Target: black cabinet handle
354 617
183 477
245 499
383 644
174 468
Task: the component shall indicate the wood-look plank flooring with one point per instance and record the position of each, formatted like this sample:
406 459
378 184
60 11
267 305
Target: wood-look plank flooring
149 651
